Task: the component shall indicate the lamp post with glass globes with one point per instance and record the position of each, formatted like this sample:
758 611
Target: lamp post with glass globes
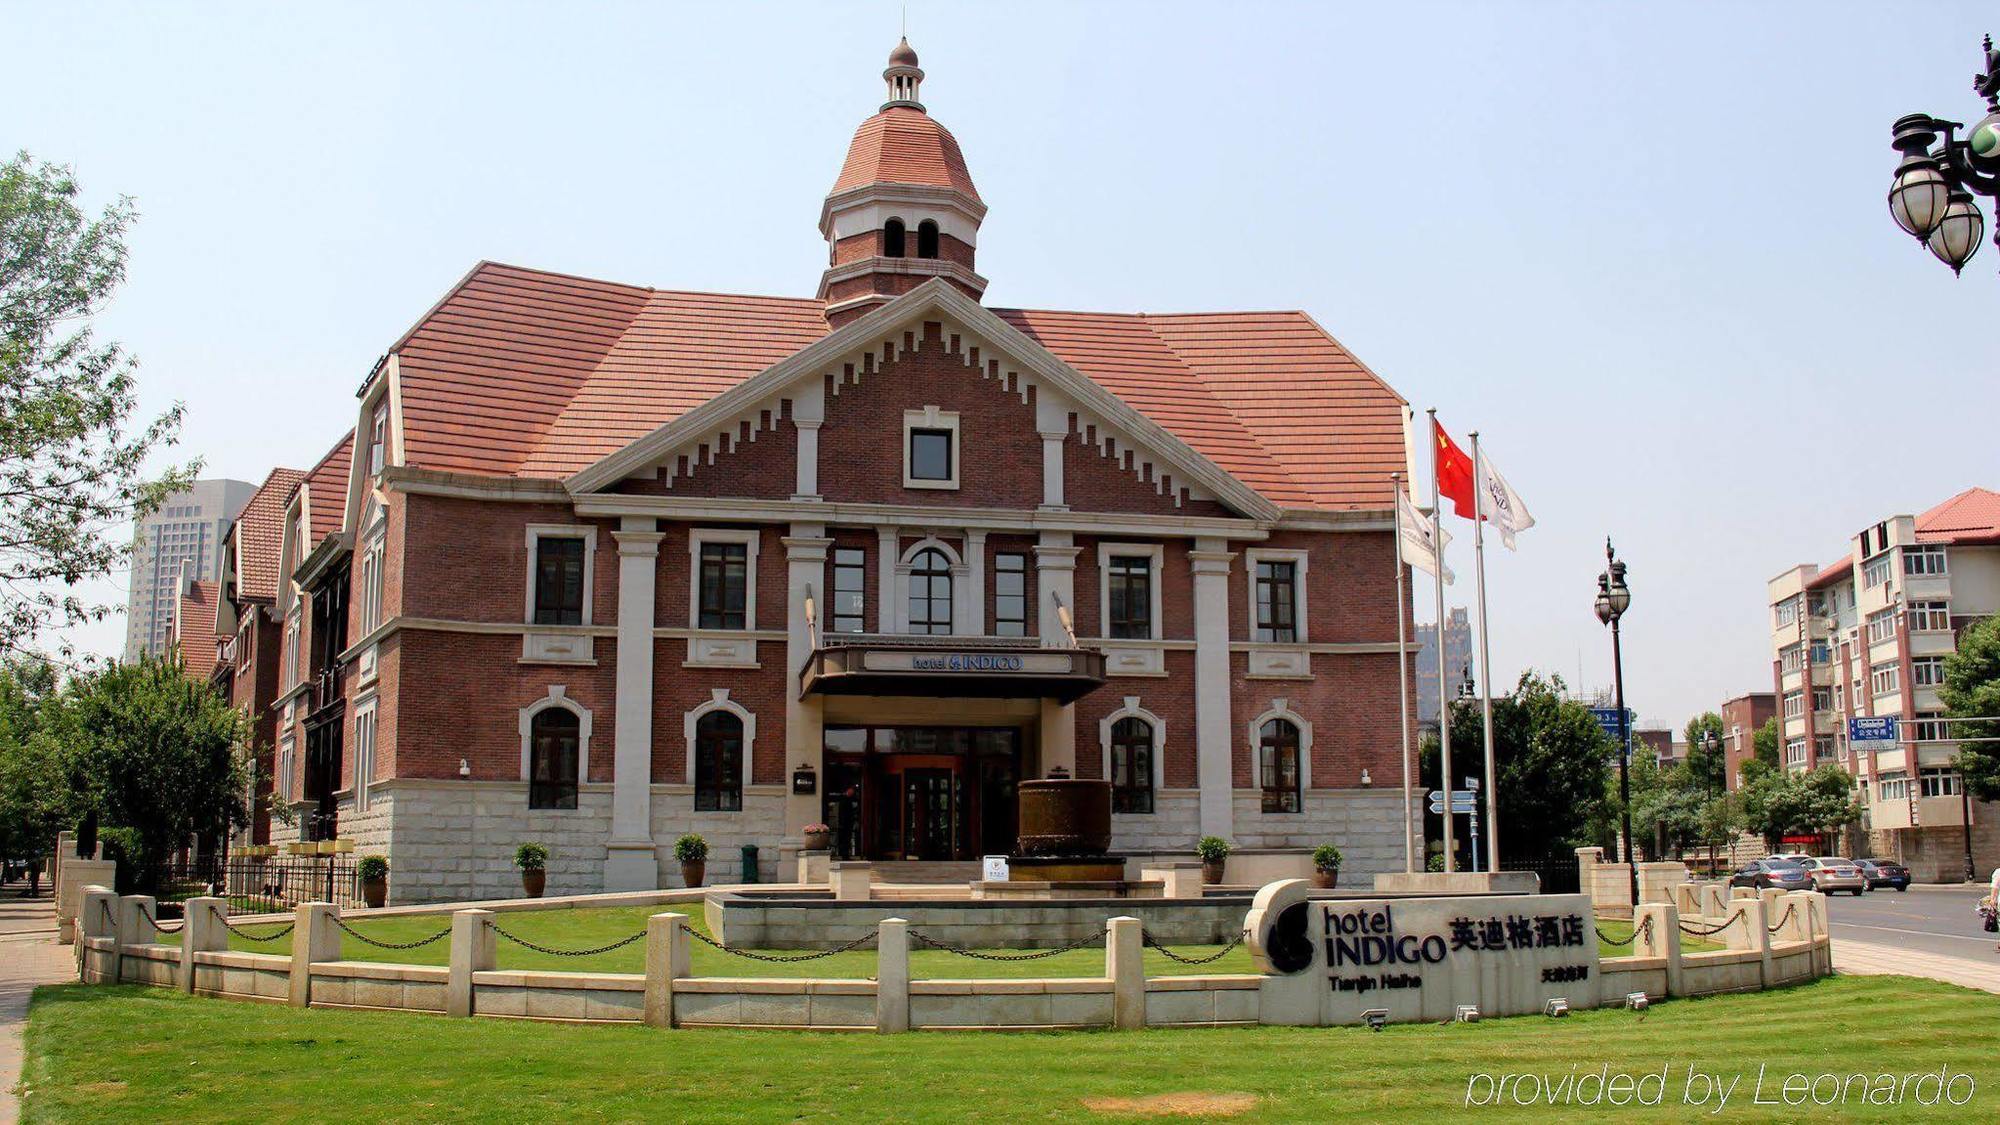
1931 197
1712 743
1613 598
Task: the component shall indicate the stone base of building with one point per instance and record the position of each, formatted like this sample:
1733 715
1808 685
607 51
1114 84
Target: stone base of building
1936 853
1459 882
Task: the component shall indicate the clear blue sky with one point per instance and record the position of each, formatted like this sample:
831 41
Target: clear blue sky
1642 248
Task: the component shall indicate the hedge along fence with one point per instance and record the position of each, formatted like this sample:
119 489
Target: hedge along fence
1769 939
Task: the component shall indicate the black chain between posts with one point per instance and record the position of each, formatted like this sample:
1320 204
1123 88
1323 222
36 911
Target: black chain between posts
364 939
553 952
1146 937
110 921
177 927
1612 941
1709 931
928 941
779 958
1790 909
281 931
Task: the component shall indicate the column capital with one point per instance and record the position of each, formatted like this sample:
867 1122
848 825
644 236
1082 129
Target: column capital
1210 563
1056 558
805 548
638 543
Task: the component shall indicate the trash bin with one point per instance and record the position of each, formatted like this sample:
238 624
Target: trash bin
750 863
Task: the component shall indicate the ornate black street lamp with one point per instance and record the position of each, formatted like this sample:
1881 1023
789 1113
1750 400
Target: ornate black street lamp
1613 598
1931 198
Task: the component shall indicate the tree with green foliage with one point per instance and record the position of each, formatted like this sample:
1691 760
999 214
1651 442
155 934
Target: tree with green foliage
1764 744
1778 803
1707 760
1552 758
35 799
160 756
71 458
1971 691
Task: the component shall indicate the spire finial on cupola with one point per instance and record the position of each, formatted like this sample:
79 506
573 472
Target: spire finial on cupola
904 76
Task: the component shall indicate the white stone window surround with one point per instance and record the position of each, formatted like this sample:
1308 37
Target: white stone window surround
558 696
374 559
1277 660
931 418
1131 709
364 752
961 615
722 648
282 785
557 644
1281 709
719 701
1131 656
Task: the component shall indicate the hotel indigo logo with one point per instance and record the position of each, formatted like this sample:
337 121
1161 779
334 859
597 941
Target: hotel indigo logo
967 662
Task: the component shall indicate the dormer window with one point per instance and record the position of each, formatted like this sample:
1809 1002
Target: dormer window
927 239
892 239
378 438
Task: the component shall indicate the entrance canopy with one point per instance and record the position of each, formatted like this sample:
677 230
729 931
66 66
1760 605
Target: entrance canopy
981 667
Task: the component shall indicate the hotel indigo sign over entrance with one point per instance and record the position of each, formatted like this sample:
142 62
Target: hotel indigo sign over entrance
1328 961
1039 663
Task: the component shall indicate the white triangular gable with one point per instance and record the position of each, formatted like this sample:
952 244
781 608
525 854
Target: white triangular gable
999 351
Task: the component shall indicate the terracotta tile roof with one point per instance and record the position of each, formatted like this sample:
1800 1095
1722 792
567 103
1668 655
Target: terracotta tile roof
1970 516
326 492
259 531
194 629
523 373
901 145
1833 572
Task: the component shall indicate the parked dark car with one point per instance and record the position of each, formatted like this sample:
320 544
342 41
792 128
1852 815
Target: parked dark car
1779 874
1885 873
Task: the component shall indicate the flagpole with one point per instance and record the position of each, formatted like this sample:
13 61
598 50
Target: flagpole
1485 660
1403 689
1444 685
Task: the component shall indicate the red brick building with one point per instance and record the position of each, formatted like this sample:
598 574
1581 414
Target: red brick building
602 564
1742 718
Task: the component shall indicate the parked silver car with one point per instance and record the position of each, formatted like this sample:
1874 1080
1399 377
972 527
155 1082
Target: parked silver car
1832 873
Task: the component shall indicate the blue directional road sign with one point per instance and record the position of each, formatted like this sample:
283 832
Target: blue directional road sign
1607 717
1461 801
1876 733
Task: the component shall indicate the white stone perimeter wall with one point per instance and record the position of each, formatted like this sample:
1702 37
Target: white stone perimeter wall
1366 824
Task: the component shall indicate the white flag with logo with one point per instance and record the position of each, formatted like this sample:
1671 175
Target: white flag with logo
1499 502
1422 538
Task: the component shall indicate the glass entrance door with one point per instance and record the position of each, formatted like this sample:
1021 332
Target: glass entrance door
931 813
921 793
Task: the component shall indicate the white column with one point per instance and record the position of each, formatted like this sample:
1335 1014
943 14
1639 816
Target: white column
805 561
630 863
886 612
808 411
1055 583
972 604
1212 728
1052 422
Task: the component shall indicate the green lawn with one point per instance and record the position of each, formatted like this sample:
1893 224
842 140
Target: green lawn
132 1053
590 928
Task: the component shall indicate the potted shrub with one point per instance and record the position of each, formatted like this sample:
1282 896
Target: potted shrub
533 860
692 851
818 837
1214 851
1326 866
373 871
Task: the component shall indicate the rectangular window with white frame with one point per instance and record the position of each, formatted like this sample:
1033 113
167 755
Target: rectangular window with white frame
1010 594
850 590
561 559
1886 680
1795 752
364 754
1894 787
1881 626
1277 595
931 453
1937 781
1129 575
1786 612
1794 705
378 437
1927 559
373 555
1927 671
724 597
282 784
1791 658
1930 617
1876 571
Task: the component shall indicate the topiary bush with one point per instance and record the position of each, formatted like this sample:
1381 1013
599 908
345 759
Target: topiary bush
1212 849
531 857
691 848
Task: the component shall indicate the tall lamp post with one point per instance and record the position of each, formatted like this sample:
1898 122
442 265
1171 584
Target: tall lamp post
1713 744
1613 598
1931 197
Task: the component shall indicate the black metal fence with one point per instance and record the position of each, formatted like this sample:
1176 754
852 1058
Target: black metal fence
1560 874
261 884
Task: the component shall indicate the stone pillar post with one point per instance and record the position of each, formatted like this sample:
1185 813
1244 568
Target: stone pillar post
475 948
892 975
852 880
1215 769
630 862
76 875
1660 939
805 570
1125 964
1055 581
667 960
135 927
97 917
1714 900
315 938
202 931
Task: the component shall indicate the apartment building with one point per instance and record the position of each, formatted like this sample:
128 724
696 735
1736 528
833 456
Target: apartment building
1457 641
179 542
1867 635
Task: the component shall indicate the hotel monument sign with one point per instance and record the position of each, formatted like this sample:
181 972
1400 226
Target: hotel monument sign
1327 961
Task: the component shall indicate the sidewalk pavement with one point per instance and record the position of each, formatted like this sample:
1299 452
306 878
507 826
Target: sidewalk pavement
29 956
1862 958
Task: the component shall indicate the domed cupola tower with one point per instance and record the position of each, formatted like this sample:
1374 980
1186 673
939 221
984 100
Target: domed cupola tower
903 210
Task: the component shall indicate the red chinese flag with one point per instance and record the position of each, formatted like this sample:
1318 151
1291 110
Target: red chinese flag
1454 472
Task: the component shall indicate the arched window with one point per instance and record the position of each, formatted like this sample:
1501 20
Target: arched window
1132 766
1278 765
892 239
553 737
930 593
718 762
927 239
